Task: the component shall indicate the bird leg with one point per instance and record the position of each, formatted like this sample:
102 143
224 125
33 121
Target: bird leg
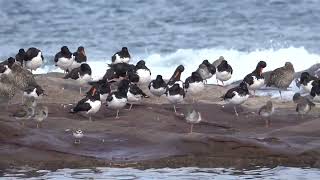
254 93
80 90
191 128
90 119
235 111
117 116
280 94
174 108
130 107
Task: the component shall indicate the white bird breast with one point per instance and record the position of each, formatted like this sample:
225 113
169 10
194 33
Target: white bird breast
144 76
117 103
35 62
32 94
174 99
237 99
308 87
78 135
195 87
267 114
103 97
64 63
157 92
74 65
134 98
316 98
95 106
84 79
223 76
121 60
257 83
194 117
7 71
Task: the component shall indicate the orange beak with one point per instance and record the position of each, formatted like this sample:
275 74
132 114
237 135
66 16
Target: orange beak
94 90
84 53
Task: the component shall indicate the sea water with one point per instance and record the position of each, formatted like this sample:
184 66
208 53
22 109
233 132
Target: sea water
189 173
167 33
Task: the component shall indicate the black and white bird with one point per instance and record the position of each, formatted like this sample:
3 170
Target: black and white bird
35 91
79 58
192 117
103 87
206 70
21 56
224 72
143 72
304 105
81 74
90 104
135 95
64 59
119 71
255 80
122 56
78 135
266 112
237 95
194 85
40 114
33 58
158 87
217 62
315 91
118 99
175 89
306 81
282 77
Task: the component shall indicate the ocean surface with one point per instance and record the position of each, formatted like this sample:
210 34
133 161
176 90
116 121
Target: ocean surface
167 33
189 173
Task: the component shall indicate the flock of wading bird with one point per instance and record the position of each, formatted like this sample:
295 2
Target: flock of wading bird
16 75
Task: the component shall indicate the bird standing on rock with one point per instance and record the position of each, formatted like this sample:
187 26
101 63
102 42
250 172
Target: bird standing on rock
192 117
40 114
255 80
33 58
158 87
81 74
306 81
135 95
281 77
90 104
224 72
194 85
237 95
103 87
266 111
315 91
118 99
64 59
175 89
304 105
206 70
122 56
78 135
143 72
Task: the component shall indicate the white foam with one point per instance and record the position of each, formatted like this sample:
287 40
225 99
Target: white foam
242 62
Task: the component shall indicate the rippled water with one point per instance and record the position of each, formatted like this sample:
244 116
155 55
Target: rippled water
277 173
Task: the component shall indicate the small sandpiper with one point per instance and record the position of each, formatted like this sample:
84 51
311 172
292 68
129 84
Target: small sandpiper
304 105
192 117
78 135
40 114
266 111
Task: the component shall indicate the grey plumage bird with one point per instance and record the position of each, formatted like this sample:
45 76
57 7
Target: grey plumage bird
40 114
266 111
78 134
217 62
281 77
304 105
7 89
192 117
26 111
